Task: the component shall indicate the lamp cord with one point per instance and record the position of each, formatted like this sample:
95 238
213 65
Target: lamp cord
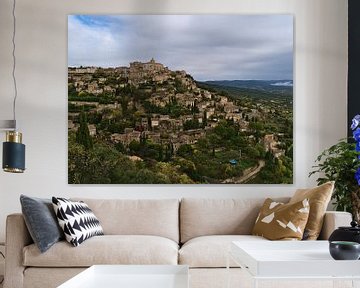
14 60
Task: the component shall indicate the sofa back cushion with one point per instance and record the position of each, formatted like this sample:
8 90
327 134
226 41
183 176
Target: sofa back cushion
159 217
200 217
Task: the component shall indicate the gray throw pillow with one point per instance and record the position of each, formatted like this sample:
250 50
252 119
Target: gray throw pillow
41 221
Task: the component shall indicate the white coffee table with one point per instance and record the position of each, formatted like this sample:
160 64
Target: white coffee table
131 276
292 260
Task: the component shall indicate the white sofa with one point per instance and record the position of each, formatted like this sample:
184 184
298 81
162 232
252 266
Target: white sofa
194 232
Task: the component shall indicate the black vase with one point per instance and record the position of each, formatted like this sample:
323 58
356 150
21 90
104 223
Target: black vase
344 250
350 234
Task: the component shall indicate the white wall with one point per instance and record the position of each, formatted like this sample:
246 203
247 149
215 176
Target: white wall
320 91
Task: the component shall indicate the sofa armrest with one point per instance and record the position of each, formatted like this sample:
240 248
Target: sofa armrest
333 220
17 237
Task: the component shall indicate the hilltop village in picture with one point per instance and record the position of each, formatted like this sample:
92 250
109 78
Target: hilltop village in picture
145 123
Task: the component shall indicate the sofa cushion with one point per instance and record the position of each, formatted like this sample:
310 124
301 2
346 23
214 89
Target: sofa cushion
41 221
211 251
158 217
107 249
279 221
200 217
319 198
76 220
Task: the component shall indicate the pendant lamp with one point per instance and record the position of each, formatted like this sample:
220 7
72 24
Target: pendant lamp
13 160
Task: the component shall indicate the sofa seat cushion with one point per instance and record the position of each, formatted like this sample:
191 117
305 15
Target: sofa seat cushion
211 251
107 249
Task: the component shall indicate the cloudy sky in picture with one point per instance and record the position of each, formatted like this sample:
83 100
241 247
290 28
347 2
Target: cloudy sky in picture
209 47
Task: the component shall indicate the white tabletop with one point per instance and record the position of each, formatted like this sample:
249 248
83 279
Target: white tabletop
131 276
291 259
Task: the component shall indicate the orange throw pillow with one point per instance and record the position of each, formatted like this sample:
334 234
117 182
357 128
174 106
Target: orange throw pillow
279 221
319 198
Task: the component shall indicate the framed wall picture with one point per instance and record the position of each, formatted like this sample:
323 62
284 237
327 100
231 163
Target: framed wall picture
180 99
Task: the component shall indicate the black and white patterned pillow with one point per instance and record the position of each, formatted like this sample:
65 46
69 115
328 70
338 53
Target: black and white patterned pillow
77 220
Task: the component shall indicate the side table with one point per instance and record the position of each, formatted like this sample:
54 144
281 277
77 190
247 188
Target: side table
293 264
131 276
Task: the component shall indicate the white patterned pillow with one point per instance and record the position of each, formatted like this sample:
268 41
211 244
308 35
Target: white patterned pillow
77 220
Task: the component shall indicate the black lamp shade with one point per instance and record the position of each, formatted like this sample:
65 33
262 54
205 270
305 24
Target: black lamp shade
13 157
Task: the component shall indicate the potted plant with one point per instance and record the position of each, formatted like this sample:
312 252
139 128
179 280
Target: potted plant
341 163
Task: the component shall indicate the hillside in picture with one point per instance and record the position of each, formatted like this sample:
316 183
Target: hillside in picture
186 117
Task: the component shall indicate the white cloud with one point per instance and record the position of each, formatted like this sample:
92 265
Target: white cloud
206 46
